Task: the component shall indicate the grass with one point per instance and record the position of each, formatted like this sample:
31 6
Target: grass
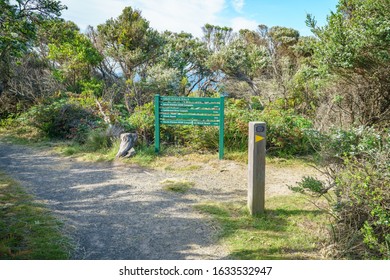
22 135
27 230
95 150
177 186
290 228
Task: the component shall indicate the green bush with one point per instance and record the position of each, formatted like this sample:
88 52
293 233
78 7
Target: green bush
358 192
355 142
288 134
142 121
363 214
63 120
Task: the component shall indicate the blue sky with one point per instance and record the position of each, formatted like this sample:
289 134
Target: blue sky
191 15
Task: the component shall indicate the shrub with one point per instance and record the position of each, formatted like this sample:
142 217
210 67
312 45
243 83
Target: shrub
142 120
358 192
363 214
63 120
355 142
288 134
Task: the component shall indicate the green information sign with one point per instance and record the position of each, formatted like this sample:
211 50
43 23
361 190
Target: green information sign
203 111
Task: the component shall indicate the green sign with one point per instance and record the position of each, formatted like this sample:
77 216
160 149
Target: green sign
203 111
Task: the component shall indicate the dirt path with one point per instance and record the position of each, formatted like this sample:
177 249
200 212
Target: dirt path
117 211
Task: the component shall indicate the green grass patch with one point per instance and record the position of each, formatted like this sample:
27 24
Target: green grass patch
177 186
27 230
290 228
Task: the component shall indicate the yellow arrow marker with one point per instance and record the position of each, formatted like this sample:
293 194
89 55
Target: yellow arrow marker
258 138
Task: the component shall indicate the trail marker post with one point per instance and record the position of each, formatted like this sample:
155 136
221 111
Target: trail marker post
203 111
256 167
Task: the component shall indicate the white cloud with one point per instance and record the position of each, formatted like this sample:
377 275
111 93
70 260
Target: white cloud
91 12
238 5
173 15
179 15
243 23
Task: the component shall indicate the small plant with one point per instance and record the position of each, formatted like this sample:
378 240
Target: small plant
310 184
178 186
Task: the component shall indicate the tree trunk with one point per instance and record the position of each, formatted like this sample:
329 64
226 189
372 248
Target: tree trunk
127 143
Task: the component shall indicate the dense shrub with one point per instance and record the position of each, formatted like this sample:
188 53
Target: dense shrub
288 134
63 120
355 142
358 192
363 208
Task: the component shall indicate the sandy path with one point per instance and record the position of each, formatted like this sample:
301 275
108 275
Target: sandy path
117 211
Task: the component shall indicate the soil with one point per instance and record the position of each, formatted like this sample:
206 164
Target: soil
121 211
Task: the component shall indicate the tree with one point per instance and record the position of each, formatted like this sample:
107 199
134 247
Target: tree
241 60
217 37
19 20
279 43
188 56
354 49
133 45
72 54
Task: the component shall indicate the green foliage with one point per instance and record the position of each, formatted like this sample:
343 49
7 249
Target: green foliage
216 37
143 121
353 47
288 134
363 231
18 25
134 46
357 193
98 140
73 52
309 184
129 40
19 21
355 142
240 60
63 120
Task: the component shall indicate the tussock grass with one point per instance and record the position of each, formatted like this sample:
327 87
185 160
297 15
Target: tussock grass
177 186
290 228
27 230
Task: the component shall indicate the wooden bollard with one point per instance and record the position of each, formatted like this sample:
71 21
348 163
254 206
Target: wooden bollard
256 167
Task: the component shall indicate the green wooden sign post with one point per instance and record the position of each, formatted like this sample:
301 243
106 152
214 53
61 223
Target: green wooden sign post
203 111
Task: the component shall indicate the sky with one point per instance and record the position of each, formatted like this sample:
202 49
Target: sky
190 15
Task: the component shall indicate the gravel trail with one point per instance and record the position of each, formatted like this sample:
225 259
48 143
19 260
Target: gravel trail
118 211
113 212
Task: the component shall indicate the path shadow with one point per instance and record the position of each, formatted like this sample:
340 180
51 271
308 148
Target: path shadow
106 210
